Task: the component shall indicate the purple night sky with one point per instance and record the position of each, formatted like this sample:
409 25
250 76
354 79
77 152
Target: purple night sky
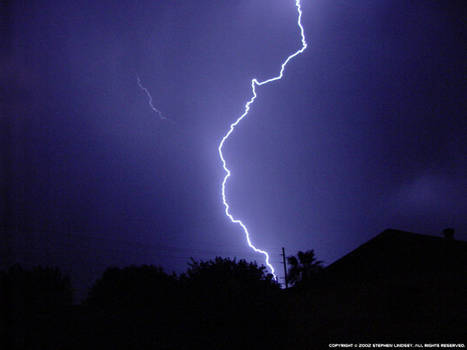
366 131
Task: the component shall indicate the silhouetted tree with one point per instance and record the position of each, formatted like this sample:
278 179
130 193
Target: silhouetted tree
34 304
231 302
224 270
135 307
132 287
226 283
303 268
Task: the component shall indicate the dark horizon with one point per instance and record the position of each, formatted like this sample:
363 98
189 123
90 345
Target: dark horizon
365 132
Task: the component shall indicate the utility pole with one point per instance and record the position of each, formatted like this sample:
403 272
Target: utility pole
285 268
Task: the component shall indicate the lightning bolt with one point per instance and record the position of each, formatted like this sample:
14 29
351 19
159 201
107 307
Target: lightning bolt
158 112
255 83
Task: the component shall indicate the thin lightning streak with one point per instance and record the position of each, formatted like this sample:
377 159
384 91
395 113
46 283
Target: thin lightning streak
158 112
254 84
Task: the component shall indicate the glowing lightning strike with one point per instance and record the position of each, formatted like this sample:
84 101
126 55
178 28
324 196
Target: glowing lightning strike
254 84
158 112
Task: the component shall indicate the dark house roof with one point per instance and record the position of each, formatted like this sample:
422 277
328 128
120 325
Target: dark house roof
405 257
397 287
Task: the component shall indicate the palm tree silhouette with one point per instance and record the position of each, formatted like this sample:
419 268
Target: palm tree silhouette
303 268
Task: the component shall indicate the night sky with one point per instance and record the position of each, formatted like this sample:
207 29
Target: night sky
366 131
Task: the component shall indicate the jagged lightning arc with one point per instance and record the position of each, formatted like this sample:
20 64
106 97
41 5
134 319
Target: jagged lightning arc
146 91
254 84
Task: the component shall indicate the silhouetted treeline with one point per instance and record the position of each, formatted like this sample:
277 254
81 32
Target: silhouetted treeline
388 290
216 304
